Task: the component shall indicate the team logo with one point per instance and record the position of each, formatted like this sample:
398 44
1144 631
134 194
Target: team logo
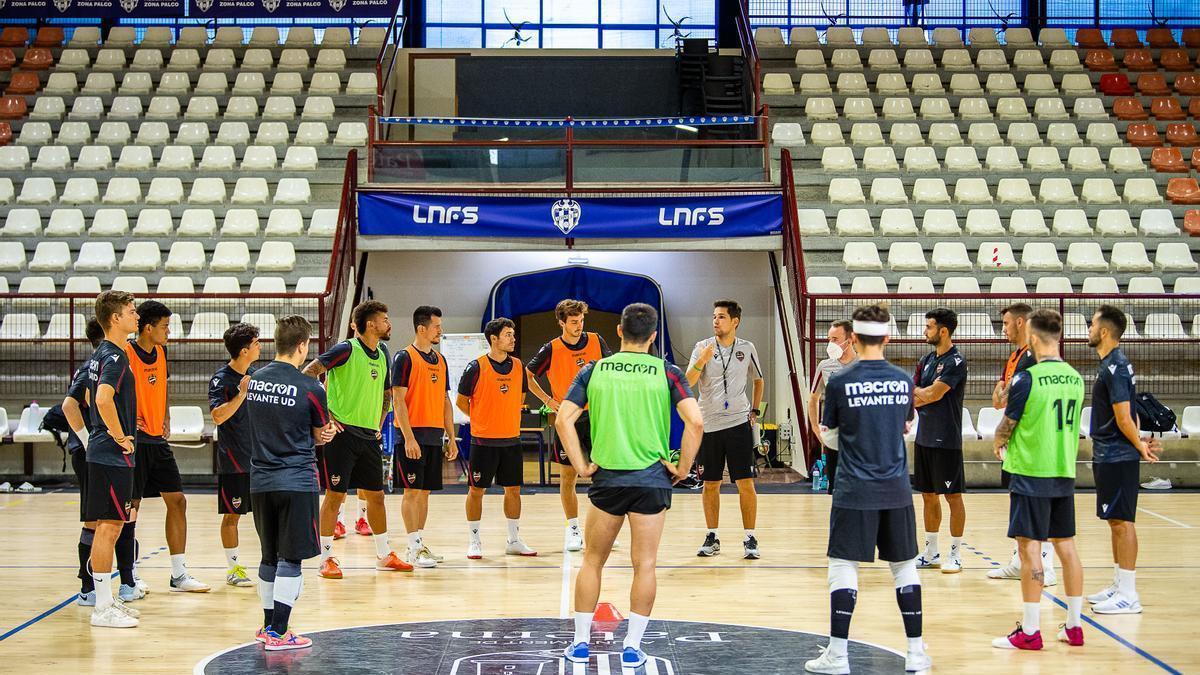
215 381
204 5
940 368
335 479
128 505
129 5
580 362
504 389
337 5
566 213
476 476
62 5
270 5
947 483
152 379
741 356
374 374
237 502
412 477
433 378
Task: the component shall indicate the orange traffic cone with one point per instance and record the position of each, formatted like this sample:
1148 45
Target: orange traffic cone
606 612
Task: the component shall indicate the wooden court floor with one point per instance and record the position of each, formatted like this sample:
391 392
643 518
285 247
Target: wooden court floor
41 630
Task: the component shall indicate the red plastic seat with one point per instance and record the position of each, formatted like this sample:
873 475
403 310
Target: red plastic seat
7 58
1138 60
49 36
1153 84
1196 159
1183 191
1115 84
37 58
1194 108
1175 60
1129 108
1187 84
1168 160
14 36
1161 38
1126 38
1167 108
13 107
1191 222
1142 135
1090 38
23 83
1191 38
1100 60
1183 135
5 133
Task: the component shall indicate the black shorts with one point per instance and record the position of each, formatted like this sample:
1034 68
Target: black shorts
733 446
233 493
583 427
287 525
1117 490
109 492
619 501
1041 518
351 461
155 471
938 470
854 534
419 474
831 459
503 463
1005 479
79 464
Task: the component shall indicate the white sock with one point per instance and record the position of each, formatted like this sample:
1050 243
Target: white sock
1127 583
514 530
749 533
1032 622
573 523
382 546
1048 555
414 541
231 557
955 546
178 567
473 526
326 548
1074 611
583 626
342 514
931 544
104 595
362 510
1116 573
916 645
637 628
420 537
837 646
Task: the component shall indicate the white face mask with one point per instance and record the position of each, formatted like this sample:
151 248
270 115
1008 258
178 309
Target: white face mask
834 350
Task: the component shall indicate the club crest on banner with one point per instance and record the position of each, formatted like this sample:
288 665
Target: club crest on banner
565 213
129 5
270 5
204 5
62 5
337 5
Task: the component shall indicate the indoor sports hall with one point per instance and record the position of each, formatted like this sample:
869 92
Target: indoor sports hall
901 295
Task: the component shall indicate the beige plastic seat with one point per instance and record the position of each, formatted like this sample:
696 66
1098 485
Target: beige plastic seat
114 133
109 223
1115 223
859 108
80 191
1157 223
147 59
276 133
972 191
1130 256
234 133
888 191
189 256
208 190
778 84
930 191
285 223
883 59
846 191
1027 223
153 223
1102 133
810 59
812 84
1063 133
898 108
242 108
74 59
61 84
918 59
803 36
783 134
861 256
944 134
220 59
1187 285
839 36
1057 191
335 59
86 108
264 36
1089 109
920 159
1141 191
1044 159
982 37
257 59
985 134
877 159
991 59
165 190
984 223
876 36
277 108
303 36
1054 37
906 133
37 190
907 256
927 84
810 221
123 190
229 36
996 255
50 256
1100 191
174 84
1086 256
964 84
838 158
212 84
249 84
897 222
361 84
820 108
852 83
1012 108
183 59
192 36
1171 257
974 108
1126 160
1065 60
866 133
192 133
262 157
951 256
912 36
48 108
1028 59
109 59
63 223
1002 84
956 59
936 108
1077 84
890 84
220 158
74 133
177 158
240 223
1085 159
14 158
22 223
167 107
230 256
52 158
250 191
1039 84
768 36
962 158
823 133
1050 109
35 133
12 256
1071 223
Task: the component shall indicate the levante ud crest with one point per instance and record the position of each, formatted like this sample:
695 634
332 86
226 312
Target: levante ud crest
565 213
270 5
337 5
129 5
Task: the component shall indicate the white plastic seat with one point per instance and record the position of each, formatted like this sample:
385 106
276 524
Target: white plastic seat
1141 191
187 421
982 37
147 59
1057 191
276 256
212 84
768 36
879 159
824 285
24 327
1028 59
140 256
822 133
859 108
241 108
940 222
80 191
184 59
985 134
972 191
50 256
220 59
35 133
810 59
229 36
109 59
95 256
12 256
996 255
1146 286
897 222
984 223
174 84
1102 133
37 190
74 59
114 133
262 157
153 223
991 59
898 108
240 223
975 108
815 83
1012 108
1008 286
918 59
153 134
927 84
912 36
52 158
188 256
1054 37
204 108
820 108
65 223
1115 223
197 223
1065 59
1188 285
842 191
963 84
122 190
1071 223
974 326
876 36
208 190
852 83
164 108
22 223
1050 109
257 59
1054 286
284 223
1014 191
234 133
920 158
1098 285
61 84
1045 158
230 256
279 108
1172 257
915 285
74 133
175 285
1039 84
854 223
950 256
810 221
1099 191
907 256
265 285
335 59
219 158
82 284
1157 223
1190 423
177 157
1002 84
249 84
135 158
94 158
1027 223
803 36
838 158
989 418
276 133
906 133
109 223
956 59
87 108
192 36
778 84
1086 256
1085 159
861 255
1063 133
839 36
1164 326
930 191
165 190
1126 160
785 134
48 108
944 134
883 59
1130 256
936 108
1040 256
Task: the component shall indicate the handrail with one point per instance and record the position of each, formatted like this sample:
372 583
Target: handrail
749 50
394 37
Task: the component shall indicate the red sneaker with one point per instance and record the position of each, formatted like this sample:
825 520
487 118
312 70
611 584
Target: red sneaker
363 527
392 563
1019 639
261 635
1071 636
339 530
289 640
330 569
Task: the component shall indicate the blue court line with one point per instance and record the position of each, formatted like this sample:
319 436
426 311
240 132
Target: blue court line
64 603
1114 635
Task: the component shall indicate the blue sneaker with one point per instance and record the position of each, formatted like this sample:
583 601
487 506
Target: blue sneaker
130 593
577 653
86 599
632 658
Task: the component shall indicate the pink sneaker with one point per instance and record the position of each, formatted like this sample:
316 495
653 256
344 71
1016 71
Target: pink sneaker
363 527
1071 636
261 635
289 640
1018 639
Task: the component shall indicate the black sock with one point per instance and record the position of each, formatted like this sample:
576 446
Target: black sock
909 599
268 616
841 608
125 553
86 584
279 617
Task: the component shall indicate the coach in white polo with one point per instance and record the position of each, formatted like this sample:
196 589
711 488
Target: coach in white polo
720 368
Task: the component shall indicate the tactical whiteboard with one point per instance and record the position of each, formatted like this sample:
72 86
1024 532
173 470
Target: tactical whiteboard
459 349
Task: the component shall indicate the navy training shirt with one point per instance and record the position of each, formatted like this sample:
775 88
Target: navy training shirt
1115 383
285 406
233 435
110 365
941 421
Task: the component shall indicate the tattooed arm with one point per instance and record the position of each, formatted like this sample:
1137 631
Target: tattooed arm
1004 432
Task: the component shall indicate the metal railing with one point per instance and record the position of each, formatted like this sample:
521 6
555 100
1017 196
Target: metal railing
394 38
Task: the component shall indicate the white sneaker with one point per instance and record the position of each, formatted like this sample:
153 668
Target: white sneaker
953 564
519 547
141 584
1050 578
1104 594
474 550
574 539
1119 603
1006 572
829 664
436 557
1157 484
188 584
915 662
926 561
6 487
112 617
423 558
129 611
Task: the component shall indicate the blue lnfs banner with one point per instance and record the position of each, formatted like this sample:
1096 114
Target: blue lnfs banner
104 9
401 214
292 8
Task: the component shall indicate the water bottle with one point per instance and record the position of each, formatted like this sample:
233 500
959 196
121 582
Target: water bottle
388 434
35 413
818 474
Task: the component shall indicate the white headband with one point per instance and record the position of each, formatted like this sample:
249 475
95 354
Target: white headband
873 328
